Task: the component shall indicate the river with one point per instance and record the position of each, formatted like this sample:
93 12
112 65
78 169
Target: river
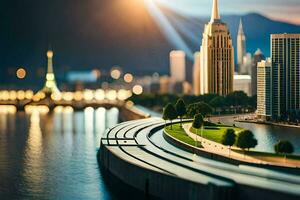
267 136
53 156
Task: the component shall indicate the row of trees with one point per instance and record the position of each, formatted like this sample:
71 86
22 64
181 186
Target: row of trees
235 102
244 140
180 110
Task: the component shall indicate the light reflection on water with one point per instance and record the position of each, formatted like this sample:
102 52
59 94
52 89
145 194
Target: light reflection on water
53 156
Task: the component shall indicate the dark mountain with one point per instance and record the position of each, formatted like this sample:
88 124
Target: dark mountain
87 34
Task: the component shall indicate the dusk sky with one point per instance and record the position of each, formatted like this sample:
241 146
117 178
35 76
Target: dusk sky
284 10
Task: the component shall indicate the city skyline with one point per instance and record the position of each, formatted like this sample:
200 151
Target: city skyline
139 99
80 48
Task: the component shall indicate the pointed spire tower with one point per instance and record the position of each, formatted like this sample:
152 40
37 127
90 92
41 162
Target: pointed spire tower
241 46
50 85
216 56
215 16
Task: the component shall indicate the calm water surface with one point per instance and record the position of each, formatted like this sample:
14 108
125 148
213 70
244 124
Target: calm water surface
53 156
267 135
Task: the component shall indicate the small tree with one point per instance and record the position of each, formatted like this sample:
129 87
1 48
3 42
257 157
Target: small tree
198 123
246 140
199 108
181 109
228 138
170 113
284 147
165 115
217 103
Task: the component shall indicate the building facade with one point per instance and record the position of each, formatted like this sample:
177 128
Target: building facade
177 66
196 74
242 83
285 52
258 57
264 89
241 46
217 57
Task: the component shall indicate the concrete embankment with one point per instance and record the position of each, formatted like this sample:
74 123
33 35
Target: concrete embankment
225 159
130 163
162 171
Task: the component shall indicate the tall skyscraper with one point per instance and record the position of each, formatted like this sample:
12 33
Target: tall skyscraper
285 52
196 74
264 89
217 56
50 84
241 46
177 66
258 56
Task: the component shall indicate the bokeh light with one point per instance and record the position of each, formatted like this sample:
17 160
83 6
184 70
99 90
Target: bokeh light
21 73
137 89
115 73
128 78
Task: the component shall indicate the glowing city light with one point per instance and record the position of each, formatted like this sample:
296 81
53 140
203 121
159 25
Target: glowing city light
115 73
99 95
56 96
88 95
128 78
58 109
96 73
12 95
68 110
28 94
5 95
124 94
111 95
21 95
7 109
21 73
137 89
39 96
42 109
67 96
78 96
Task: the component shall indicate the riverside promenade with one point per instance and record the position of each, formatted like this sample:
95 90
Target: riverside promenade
219 149
137 154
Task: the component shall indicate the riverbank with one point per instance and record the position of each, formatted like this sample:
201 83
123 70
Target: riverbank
269 123
212 144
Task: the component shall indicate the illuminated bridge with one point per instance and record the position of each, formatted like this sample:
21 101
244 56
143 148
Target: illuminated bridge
50 98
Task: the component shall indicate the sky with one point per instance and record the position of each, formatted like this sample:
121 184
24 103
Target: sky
283 10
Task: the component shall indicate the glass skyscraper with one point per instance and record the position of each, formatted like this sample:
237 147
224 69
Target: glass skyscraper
285 55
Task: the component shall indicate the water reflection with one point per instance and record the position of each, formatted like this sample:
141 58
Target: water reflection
33 166
53 156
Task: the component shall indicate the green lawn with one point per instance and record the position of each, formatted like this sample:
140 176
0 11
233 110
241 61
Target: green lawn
215 133
178 133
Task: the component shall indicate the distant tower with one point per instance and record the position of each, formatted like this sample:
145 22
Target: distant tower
258 56
241 46
217 57
177 66
196 74
50 85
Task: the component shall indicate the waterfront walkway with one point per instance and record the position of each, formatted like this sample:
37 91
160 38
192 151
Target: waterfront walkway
141 143
217 148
